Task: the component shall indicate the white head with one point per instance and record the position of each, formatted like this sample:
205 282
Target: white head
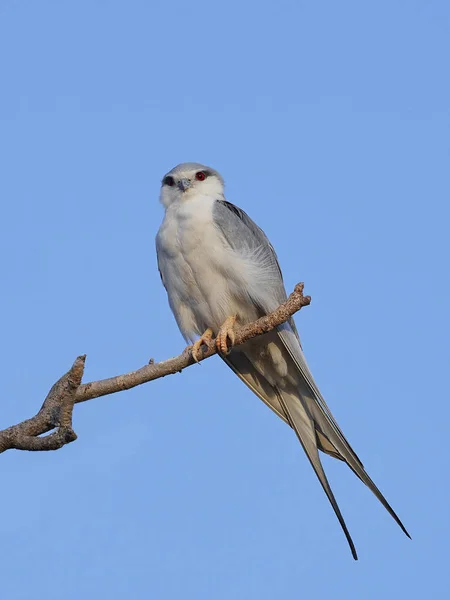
190 179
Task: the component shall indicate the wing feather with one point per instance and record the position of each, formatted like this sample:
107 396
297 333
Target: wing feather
308 404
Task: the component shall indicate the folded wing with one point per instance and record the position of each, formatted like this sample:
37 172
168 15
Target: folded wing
273 366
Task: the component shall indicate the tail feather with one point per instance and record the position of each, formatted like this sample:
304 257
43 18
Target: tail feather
326 427
275 369
303 426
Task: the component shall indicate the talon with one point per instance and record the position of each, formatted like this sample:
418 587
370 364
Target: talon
204 339
226 333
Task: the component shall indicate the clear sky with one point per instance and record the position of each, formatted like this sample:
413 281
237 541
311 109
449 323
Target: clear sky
330 122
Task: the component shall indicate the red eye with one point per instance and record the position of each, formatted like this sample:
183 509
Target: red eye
200 176
170 181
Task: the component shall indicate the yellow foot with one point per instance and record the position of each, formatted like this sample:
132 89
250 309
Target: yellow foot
226 333
204 339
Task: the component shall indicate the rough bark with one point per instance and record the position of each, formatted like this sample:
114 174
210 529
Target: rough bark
55 414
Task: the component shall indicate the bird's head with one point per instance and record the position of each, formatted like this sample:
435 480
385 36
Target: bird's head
190 179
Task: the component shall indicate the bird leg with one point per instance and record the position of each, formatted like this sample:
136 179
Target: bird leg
204 339
225 334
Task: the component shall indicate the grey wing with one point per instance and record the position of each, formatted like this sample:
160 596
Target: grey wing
175 301
301 406
162 278
158 259
243 235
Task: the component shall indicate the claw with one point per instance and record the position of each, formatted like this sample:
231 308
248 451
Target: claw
204 339
226 333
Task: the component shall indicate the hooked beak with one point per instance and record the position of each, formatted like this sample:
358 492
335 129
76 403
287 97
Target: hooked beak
183 184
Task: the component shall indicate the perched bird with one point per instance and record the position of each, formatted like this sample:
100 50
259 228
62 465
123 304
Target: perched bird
219 269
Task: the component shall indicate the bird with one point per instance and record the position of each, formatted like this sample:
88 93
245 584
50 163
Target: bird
220 272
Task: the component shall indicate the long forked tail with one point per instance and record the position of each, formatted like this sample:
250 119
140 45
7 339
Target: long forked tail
302 406
329 436
303 426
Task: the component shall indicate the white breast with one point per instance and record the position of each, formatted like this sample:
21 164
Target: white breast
204 278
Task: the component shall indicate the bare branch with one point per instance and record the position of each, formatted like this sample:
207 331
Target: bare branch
56 411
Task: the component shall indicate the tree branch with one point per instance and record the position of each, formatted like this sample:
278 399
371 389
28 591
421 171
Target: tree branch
56 411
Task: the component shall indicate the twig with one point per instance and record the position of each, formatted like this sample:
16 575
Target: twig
56 411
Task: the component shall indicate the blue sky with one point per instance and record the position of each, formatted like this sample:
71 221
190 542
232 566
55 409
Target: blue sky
330 122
